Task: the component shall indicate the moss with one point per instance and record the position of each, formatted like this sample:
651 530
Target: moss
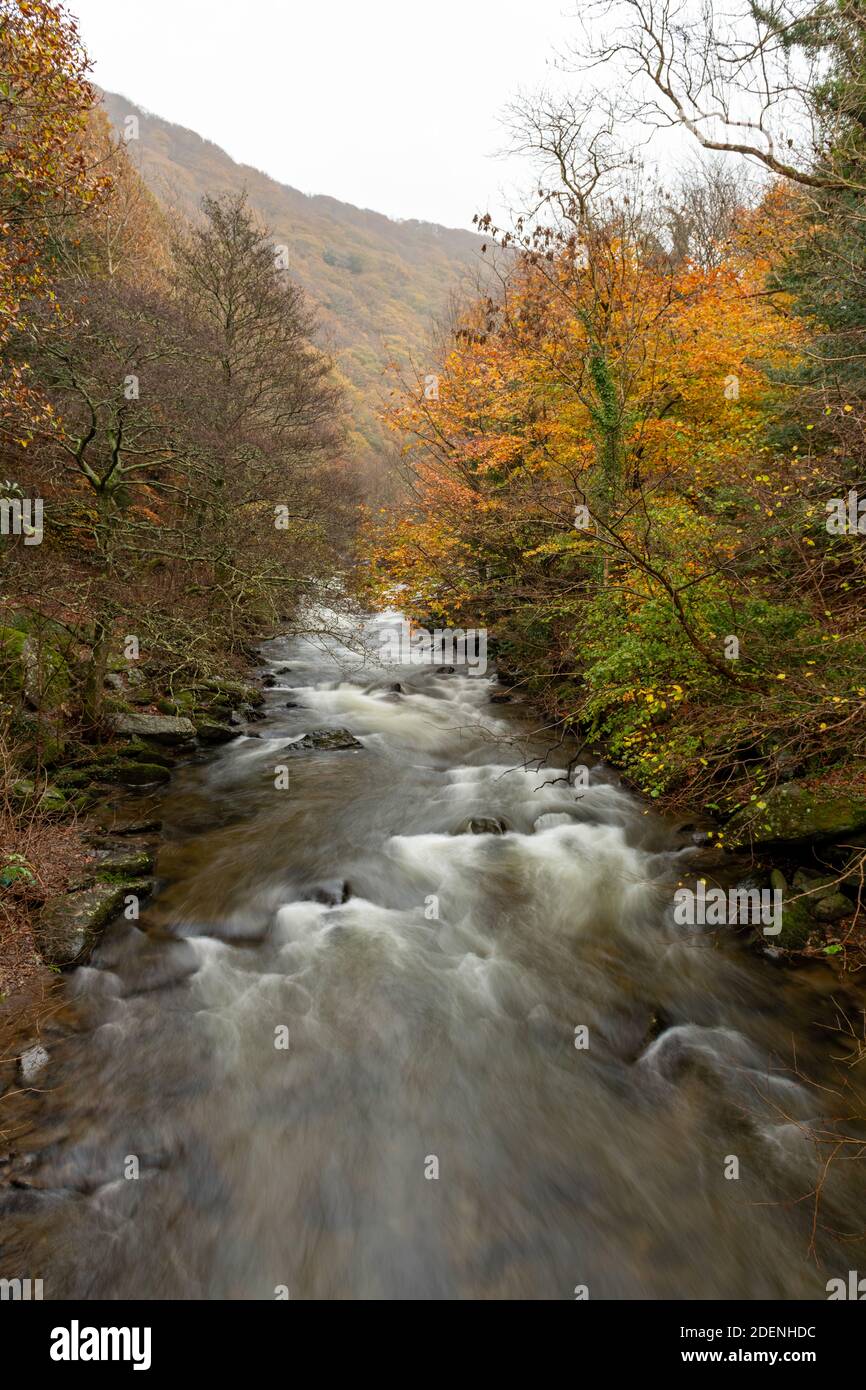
139 774
47 799
12 642
31 666
793 814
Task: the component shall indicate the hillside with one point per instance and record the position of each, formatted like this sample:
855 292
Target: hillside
379 285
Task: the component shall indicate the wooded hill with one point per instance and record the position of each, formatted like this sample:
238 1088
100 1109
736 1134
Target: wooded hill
379 285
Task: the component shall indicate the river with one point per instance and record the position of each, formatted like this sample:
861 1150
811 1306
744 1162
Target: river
349 1052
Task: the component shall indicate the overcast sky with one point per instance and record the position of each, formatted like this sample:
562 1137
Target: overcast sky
388 104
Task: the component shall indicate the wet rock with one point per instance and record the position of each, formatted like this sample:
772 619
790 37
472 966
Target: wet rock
162 728
501 698
708 860
210 731
397 688
32 1061
331 895
139 827
793 815
550 819
814 883
323 739
125 859
482 825
797 923
141 752
832 908
445 670
138 774
68 926
47 800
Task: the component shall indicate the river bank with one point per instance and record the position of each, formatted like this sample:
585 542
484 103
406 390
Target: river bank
80 838
804 837
796 841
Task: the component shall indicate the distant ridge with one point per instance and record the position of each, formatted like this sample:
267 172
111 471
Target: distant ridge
378 284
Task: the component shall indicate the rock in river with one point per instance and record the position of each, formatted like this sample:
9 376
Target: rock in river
482 825
67 927
211 731
162 728
31 1062
323 739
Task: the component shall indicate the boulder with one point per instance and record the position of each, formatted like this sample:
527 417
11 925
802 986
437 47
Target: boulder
211 731
797 921
32 1061
482 825
832 907
162 728
795 815
68 927
124 859
137 774
49 801
138 827
323 739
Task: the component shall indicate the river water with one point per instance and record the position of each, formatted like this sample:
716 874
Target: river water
352 1050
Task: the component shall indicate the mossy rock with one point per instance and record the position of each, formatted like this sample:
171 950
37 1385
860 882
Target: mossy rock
123 862
140 750
12 642
833 907
47 800
234 692
154 728
793 815
797 923
181 703
68 926
31 667
213 731
797 926
77 776
138 774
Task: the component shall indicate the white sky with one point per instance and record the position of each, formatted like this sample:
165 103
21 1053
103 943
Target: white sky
388 104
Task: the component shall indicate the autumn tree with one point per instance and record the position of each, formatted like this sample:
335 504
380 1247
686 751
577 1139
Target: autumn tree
45 175
268 405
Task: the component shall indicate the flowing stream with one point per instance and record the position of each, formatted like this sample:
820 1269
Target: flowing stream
434 1127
